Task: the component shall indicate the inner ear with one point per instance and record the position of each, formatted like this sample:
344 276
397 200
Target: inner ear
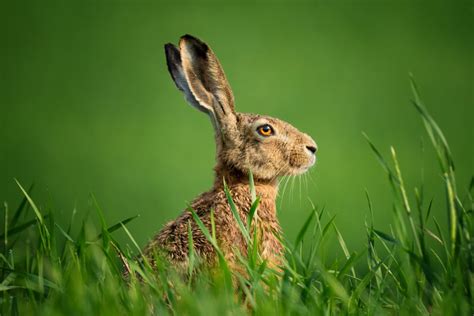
205 74
175 68
209 86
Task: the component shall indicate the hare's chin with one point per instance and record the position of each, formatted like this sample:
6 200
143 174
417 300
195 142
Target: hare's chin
303 169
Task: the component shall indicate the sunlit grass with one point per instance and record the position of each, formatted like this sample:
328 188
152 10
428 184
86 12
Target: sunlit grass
415 268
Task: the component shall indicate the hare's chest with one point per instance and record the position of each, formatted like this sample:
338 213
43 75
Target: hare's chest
270 247
265 230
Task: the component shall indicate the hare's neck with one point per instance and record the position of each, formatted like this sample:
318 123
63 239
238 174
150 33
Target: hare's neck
233 176
239 181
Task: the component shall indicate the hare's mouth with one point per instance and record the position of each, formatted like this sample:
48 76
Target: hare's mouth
304 168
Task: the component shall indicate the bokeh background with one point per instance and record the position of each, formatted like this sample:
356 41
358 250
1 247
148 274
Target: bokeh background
87 105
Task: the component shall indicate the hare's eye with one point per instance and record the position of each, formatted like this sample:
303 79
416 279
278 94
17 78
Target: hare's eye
265 130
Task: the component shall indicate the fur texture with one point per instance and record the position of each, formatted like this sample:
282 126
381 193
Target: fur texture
243 143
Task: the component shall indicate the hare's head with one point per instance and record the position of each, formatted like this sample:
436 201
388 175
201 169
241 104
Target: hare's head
267 146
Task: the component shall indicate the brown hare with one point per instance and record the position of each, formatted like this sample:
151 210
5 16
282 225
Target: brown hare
268 147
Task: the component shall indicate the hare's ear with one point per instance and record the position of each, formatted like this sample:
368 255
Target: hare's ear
207 82
173 60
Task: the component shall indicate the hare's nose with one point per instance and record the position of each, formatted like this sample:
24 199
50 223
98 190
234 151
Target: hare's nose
312 149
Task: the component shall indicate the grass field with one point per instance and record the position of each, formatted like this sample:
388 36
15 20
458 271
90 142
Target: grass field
418 267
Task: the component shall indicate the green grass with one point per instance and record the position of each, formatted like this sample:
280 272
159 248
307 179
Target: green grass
416 268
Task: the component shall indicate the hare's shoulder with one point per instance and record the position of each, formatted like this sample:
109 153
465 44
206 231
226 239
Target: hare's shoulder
217 201
173 238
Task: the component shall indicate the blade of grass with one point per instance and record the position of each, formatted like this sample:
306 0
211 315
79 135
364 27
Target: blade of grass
253 212
222 262
44 233
22 207
393 179
304 228
30 201
235 212
344 248
114 227
191 255
5 235
64 233
386 237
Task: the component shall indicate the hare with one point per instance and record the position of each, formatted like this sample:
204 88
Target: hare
268 147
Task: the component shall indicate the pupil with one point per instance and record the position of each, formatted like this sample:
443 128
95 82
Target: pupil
265 130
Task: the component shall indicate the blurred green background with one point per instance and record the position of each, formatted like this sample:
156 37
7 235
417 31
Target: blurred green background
87 105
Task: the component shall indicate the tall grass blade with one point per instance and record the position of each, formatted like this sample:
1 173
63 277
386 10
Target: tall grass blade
235 212
119 225
22 207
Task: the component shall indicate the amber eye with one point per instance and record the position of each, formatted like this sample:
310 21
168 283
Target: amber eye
265 130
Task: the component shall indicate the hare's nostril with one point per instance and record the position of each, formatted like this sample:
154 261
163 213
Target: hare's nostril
312 149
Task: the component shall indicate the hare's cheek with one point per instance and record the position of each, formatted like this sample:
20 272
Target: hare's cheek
297 160
293 160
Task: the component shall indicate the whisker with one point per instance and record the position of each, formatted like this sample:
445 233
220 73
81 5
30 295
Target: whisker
311 178
292 187
306 175
287 179
299 182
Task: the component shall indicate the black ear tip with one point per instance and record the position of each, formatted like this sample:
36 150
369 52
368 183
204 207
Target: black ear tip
194 42
170 47
189 37
172 53
173 57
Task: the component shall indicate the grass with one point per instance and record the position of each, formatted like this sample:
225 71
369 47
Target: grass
416 268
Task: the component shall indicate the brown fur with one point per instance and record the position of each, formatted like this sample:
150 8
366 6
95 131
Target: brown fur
240 148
